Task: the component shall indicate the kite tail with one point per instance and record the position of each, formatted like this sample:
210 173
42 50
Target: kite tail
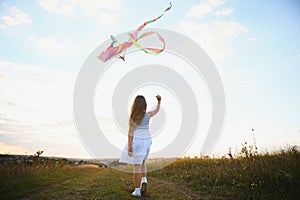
135 33
168 8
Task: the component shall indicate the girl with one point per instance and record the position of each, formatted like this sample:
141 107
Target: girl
139 142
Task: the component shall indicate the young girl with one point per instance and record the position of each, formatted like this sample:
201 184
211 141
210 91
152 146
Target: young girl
139 142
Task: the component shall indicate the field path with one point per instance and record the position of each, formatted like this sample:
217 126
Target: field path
106 183
171 190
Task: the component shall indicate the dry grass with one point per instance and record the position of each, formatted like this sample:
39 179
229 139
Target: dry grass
268 176
248 176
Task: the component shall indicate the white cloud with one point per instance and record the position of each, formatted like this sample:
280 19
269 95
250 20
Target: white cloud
204 8
200 10
224 12
21 69
106 12
252 39
34 89
213 36
2 75
31 98
10 149
50 6
229 28
16 18
298 55
2 26
4 5
54 46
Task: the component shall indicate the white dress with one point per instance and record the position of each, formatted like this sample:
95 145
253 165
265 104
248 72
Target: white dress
141 143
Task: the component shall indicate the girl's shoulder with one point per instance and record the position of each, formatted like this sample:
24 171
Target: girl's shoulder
147 114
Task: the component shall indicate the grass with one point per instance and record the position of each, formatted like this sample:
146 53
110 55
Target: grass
248 176
275 176
69 182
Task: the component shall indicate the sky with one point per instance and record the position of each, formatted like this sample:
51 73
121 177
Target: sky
255 46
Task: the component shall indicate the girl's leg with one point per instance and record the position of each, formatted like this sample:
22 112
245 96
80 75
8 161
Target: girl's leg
144 179
144 169
136 180
137 175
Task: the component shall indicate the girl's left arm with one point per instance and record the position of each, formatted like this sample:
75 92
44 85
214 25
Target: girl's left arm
130 138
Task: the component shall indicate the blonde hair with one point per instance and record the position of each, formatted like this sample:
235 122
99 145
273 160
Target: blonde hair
138 110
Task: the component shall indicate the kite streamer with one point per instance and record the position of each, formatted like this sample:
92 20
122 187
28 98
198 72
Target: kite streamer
113 50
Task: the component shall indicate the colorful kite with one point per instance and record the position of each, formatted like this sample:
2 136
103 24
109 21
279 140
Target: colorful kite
114 51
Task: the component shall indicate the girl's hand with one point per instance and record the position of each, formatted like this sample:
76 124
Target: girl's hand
130 150
158 97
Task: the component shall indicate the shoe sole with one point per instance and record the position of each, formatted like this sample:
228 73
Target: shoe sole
144 188
136 195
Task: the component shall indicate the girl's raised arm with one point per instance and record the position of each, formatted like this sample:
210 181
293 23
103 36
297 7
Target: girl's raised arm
153 112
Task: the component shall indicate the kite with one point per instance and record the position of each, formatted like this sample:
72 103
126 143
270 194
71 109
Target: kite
114 51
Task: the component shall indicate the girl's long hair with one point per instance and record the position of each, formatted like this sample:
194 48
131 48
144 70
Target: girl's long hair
138 110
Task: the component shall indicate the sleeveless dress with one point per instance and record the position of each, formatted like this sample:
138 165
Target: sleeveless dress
141 143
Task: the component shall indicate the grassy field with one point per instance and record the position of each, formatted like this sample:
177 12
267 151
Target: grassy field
275 176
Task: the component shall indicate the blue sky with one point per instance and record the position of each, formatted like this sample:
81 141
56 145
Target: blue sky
254 44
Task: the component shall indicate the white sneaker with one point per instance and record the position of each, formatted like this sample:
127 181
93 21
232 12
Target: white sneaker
136 193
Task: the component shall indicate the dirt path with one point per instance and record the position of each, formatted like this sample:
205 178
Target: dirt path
169 190
172 190
105 183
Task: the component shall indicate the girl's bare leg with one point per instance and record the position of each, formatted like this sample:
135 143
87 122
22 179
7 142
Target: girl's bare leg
137 175
144 169
144 179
